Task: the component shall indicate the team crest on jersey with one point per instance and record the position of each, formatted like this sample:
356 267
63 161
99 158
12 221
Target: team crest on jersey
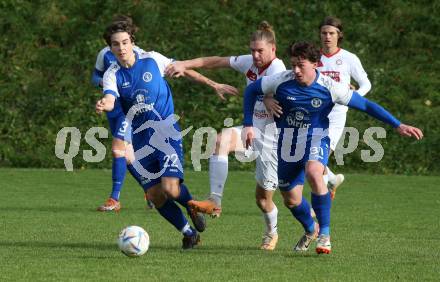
140 99
339 62
251 75
299 115
147 77
316 102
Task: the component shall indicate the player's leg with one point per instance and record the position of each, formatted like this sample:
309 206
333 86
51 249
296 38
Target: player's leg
291 178
130 158
267 183
168 209
321 203
180 193
270 216
227 141
119 167
172 181
337 121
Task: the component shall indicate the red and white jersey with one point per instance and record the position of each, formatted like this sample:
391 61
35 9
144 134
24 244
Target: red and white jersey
342 66
245 65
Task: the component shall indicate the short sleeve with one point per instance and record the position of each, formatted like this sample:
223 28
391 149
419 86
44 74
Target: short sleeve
99 65
109 81
241 63
161 61
270 83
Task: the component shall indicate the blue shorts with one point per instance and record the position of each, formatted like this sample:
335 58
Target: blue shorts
119 127
292 173
166 161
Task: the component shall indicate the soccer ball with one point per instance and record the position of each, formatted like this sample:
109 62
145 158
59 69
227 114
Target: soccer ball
133 241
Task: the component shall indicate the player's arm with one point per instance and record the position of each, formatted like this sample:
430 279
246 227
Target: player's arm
99 70
219 88
105 104
360 76
250 98
97 78
110 90
363 104
178 68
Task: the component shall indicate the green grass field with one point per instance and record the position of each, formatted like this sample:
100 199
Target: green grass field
383 228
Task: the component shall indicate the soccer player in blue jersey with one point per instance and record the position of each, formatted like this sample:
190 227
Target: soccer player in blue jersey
121 144
122 150
136 80
305 98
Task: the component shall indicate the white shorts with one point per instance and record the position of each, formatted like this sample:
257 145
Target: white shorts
336 127
264 149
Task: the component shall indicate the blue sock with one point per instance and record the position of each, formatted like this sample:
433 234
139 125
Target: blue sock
136 175
184 196
173 214
302 214
322 204
119 167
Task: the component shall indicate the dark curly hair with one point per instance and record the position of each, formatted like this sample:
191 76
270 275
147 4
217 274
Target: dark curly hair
120 24
305 50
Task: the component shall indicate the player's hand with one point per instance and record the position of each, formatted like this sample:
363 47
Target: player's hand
222 89
175 69
100 106
273 106
410 131
248 135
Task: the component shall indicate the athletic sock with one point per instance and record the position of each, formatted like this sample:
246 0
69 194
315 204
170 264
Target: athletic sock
184 197
119 167
218 173
271 220
302 214
331 176
173 214
321 205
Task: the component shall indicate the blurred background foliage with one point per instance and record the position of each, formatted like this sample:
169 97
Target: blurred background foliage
48 50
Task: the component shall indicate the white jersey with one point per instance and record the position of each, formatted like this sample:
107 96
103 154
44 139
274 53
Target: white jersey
245 65
342 66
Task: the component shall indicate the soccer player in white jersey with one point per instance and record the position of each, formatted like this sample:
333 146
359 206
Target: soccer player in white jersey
262 61
341 65
122 149
305 99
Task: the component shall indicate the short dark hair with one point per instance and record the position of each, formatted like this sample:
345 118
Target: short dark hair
305 50
119 26
334 21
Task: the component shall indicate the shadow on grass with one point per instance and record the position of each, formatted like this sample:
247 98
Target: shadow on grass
70 209
58 245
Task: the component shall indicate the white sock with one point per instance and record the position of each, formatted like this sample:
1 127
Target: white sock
331 176
218 173
271 220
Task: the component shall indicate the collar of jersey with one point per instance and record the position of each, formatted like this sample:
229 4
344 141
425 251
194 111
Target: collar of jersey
331 55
